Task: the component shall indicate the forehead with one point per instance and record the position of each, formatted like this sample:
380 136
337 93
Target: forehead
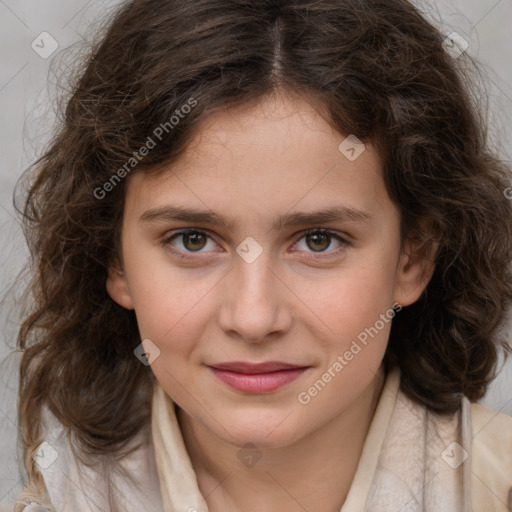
268 158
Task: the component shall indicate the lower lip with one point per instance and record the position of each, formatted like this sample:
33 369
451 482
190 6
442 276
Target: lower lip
259 382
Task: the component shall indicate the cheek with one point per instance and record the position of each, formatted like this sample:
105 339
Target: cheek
163 310
175 323
358 312
354 298
169 302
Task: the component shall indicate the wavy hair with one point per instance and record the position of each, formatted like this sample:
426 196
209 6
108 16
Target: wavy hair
377 69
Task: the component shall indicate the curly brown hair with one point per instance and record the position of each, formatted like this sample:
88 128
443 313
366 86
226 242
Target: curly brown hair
378 68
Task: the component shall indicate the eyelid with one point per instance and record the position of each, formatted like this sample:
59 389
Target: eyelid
344 240
166 242
335 234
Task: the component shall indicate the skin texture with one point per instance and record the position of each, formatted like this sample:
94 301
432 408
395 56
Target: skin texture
250 165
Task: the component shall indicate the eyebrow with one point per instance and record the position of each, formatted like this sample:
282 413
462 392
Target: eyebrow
208 217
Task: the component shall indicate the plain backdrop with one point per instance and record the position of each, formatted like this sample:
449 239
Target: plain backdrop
26 121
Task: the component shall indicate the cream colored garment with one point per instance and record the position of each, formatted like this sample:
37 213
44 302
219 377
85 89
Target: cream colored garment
491 483
178 483
403 439
409 460
69 486
421 465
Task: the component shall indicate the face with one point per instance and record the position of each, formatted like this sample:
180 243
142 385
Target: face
259 275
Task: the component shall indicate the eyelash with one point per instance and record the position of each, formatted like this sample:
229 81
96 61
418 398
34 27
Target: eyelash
166 243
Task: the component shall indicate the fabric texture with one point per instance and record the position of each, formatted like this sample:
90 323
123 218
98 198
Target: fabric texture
131 486
413 460
424 464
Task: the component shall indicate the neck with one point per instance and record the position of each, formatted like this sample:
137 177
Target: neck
314 473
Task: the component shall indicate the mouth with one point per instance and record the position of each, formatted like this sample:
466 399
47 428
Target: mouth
257 377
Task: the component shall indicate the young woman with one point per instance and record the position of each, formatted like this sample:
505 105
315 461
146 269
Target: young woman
271 249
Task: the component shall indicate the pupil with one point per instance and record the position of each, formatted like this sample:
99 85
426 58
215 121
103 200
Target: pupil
193 241
317 242
195 238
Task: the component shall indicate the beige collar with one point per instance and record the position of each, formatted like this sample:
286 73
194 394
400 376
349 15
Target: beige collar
178 483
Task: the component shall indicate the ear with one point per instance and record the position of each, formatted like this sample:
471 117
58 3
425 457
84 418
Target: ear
117 287
416 267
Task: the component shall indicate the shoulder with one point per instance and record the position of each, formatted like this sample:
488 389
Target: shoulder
491 459
34 498
62 483
492 436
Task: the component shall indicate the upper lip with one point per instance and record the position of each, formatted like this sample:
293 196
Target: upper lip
254 368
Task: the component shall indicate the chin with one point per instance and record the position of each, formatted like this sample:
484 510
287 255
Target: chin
263 429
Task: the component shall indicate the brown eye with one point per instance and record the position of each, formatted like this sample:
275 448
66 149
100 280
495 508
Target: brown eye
191 241
318 241
194 241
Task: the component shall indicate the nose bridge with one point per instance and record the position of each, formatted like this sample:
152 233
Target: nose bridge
252 304
255 278
253 264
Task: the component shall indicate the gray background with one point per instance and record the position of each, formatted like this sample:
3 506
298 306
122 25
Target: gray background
26 121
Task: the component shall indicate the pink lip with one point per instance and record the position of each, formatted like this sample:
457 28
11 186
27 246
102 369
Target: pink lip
259 377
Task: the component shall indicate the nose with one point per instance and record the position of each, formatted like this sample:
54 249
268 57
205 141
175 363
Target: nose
255 303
